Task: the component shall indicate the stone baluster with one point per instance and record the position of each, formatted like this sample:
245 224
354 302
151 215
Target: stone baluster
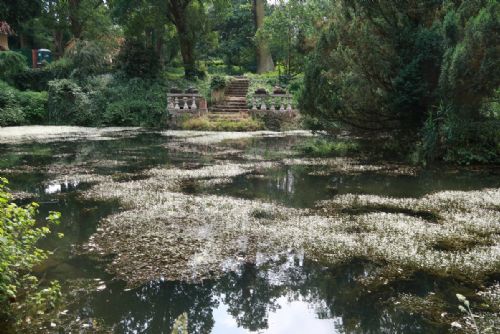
282 105
263 104
254 106
193 104
170 103
272 108
176 105
185 106
289 103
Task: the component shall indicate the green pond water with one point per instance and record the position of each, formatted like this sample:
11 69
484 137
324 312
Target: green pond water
287 293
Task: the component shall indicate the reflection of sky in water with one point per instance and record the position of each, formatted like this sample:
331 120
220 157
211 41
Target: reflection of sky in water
291 317
59 187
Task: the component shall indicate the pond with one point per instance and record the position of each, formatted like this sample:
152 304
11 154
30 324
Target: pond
271 286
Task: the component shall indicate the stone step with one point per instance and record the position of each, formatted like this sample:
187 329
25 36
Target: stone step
233 102
230 107
237 106
229 117
228 110
242 93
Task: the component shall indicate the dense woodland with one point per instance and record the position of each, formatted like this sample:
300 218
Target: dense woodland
421 77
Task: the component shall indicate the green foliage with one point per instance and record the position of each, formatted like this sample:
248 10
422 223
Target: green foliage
205 124
218 82
134 102
68 103
90 56
11 63
137 59
34 106
17 107
38 79
10 111
236 29
108 100
20 294
291 29
383 68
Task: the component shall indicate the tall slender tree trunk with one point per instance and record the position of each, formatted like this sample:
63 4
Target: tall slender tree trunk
178 16
58 43
159 43
264 59
76 25
187 51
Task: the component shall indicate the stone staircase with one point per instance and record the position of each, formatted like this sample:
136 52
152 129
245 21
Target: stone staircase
234 106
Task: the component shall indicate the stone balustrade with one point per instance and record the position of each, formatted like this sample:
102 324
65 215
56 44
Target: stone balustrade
179 103
272 102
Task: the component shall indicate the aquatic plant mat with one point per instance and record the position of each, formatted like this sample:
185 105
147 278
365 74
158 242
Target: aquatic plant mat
167 233
175 220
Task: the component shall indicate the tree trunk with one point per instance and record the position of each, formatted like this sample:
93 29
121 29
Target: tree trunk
58 43
177 15
76 25
187 53
264 59
159 42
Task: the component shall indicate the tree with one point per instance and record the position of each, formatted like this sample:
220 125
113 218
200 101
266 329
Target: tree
16 13
178 14
264 59
385 67
291 30
236 29
144 23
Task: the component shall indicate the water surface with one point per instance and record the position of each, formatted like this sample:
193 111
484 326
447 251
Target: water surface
287 293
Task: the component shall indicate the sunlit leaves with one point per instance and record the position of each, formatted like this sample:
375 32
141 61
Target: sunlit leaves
19 253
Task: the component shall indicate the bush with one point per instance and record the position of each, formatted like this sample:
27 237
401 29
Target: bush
18 108
34 106
446 135
37 79
11 63
68 104
10 111
218 82
135 102
90 56
20 294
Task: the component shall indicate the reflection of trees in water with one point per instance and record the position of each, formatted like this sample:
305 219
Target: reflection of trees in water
154 307
249 297
251 294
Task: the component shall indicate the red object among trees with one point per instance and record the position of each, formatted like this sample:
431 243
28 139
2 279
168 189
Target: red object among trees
5 32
